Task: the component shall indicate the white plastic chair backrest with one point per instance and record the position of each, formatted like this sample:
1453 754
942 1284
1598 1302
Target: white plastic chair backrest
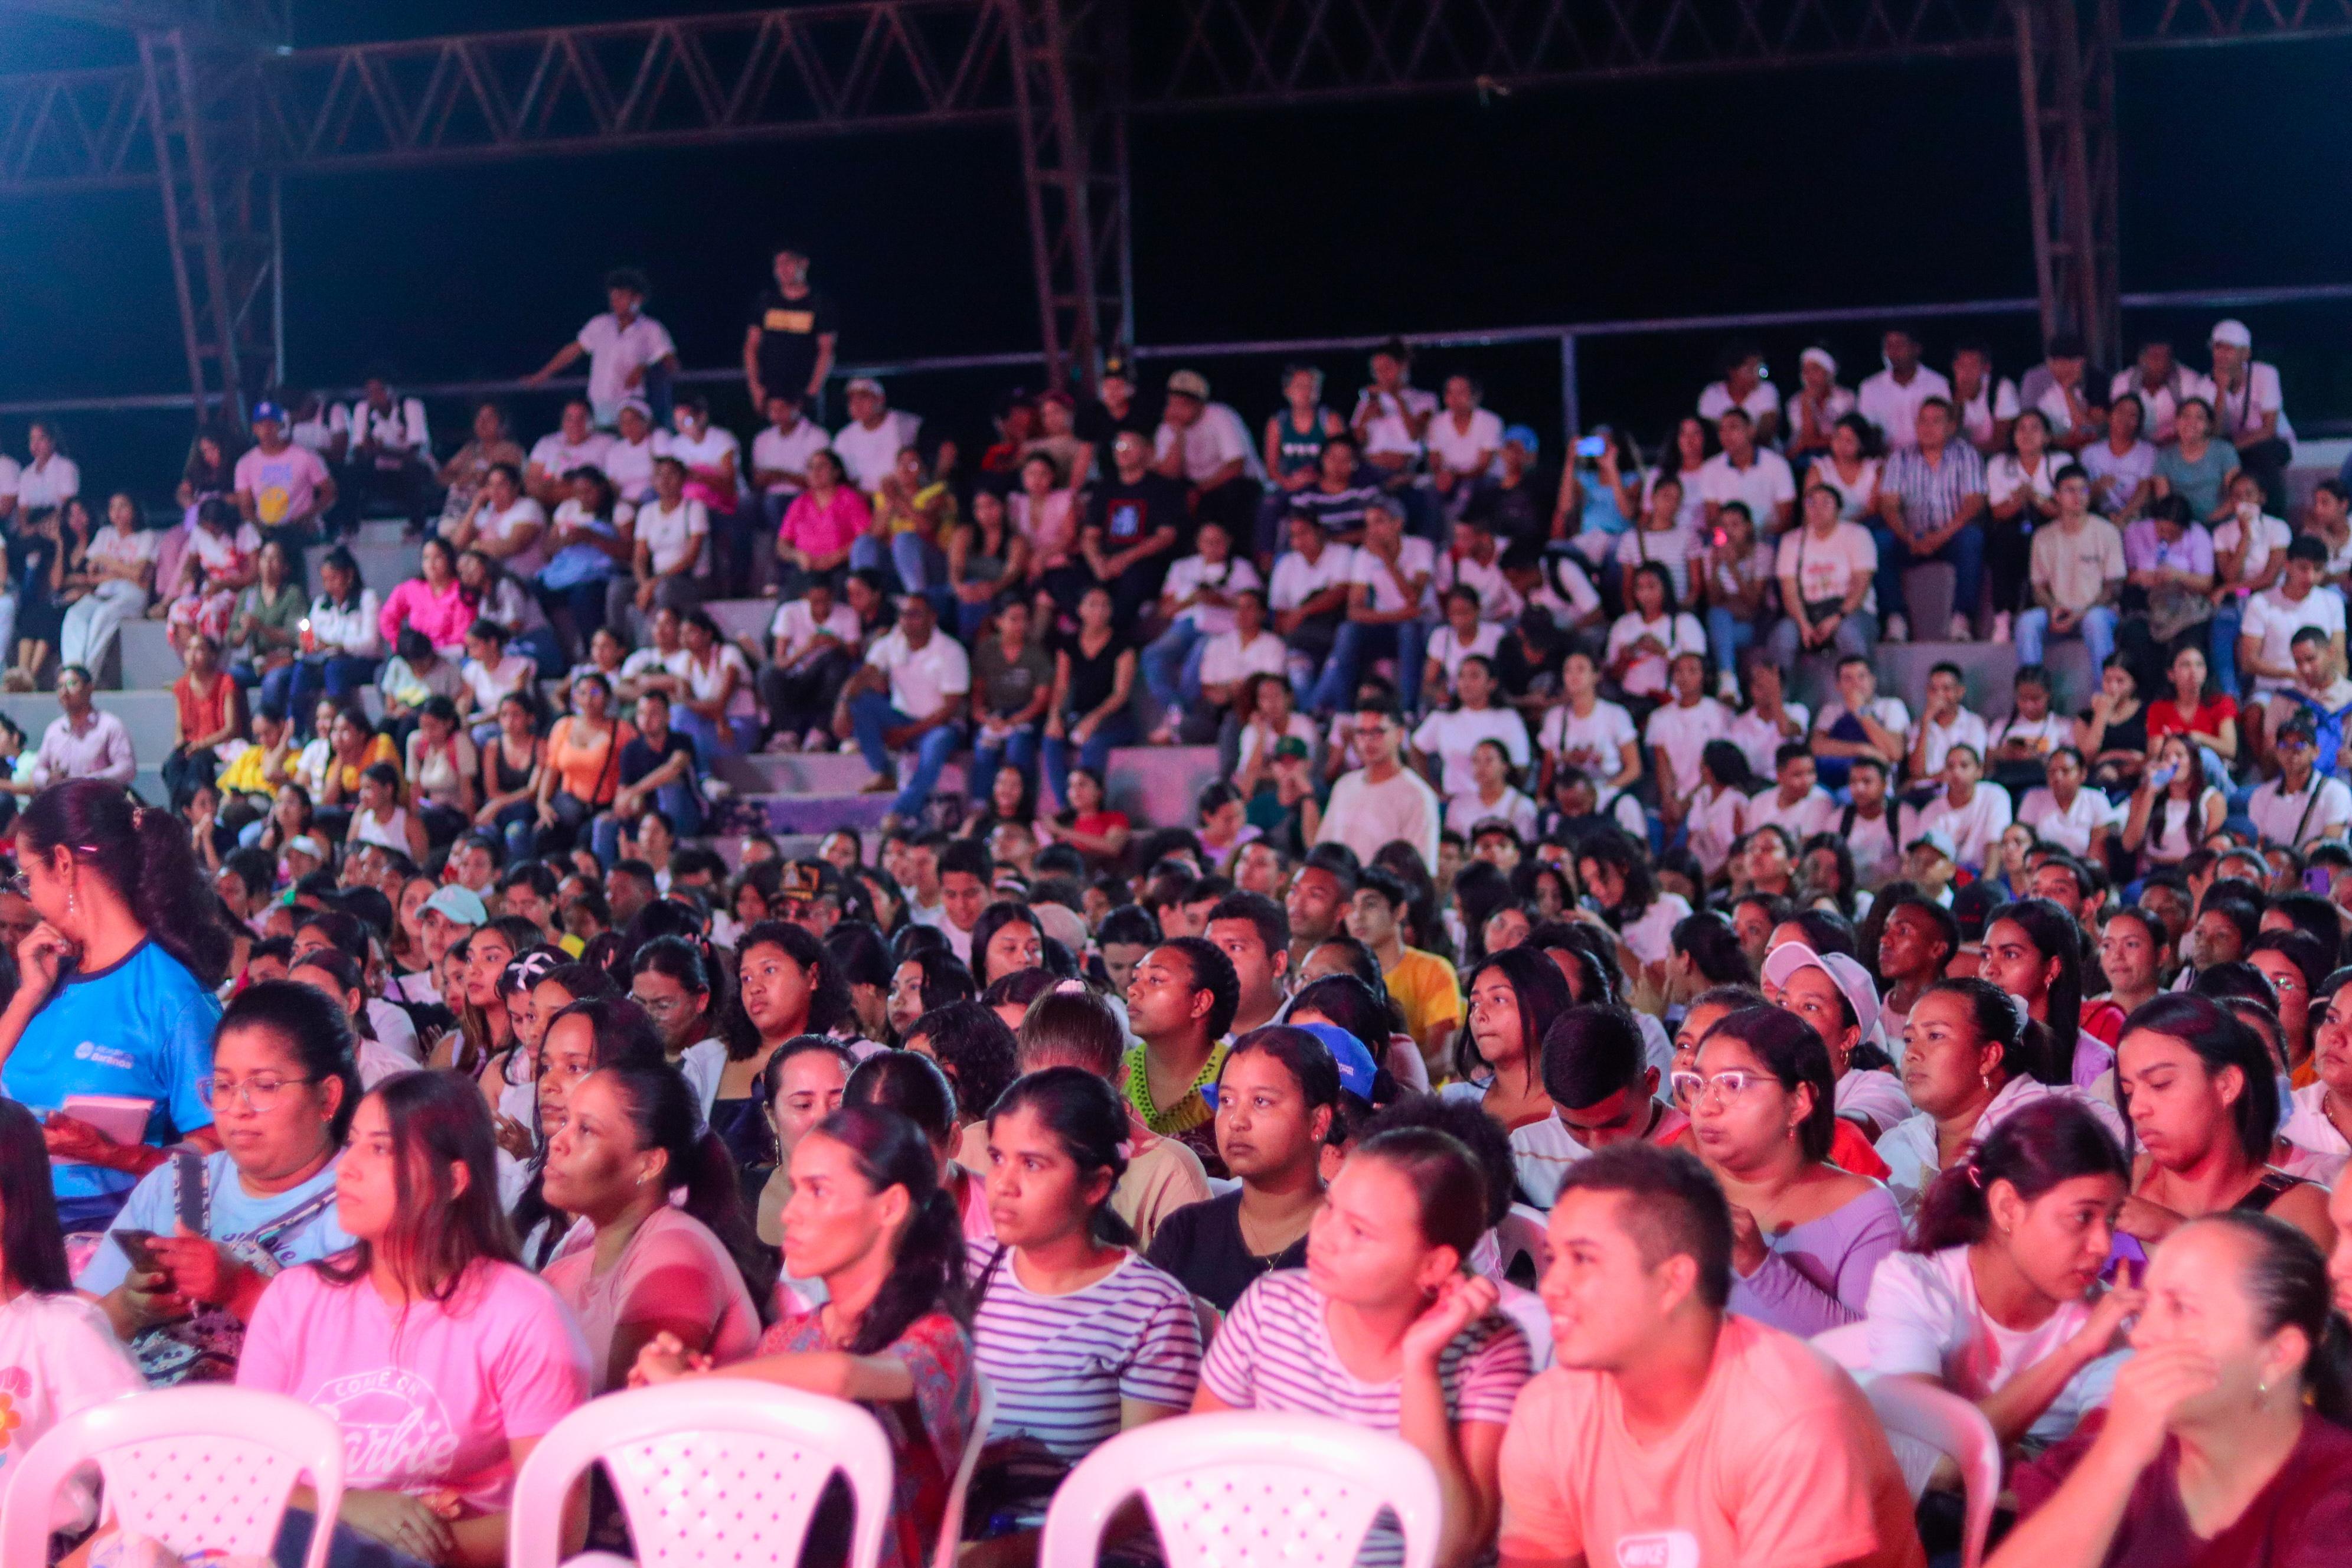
951 1521
1246 1488
1909 1408
1523 1234
1525 1308
720 1470
1848 1344
204 1467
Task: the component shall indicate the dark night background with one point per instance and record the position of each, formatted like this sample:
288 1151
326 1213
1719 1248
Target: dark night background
1887 184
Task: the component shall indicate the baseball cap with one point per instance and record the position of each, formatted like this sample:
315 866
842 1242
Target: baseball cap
1189 383
1940 839
862 383
1061 923
1119 365
801 881
1819 356
267 412
639 404
1355 1063
1784 963
1525 435
458 905
1290 747
309 846
2233 332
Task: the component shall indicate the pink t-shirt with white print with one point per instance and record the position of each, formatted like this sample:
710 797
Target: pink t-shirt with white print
430 1397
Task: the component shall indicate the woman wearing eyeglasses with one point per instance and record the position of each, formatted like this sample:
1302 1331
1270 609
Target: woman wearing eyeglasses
670 980
1805 1236
285 1078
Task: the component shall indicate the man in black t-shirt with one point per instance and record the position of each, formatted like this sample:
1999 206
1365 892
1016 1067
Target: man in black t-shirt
1114 410
789 345
657 769
1133 522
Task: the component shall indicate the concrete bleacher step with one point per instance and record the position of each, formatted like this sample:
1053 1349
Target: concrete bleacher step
144 659
383 566
810 774
742 617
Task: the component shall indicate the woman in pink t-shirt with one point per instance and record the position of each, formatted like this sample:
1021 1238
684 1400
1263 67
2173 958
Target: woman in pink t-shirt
443 1361
694 1271
868 1217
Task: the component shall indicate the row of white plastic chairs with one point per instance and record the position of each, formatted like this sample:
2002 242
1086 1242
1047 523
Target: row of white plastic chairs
724 1469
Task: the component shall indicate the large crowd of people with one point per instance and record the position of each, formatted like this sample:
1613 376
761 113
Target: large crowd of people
448 1069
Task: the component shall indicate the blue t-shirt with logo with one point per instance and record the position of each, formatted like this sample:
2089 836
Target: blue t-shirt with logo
314 1233
142 1029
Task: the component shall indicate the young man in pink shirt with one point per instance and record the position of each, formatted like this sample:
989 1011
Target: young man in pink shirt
1669 1431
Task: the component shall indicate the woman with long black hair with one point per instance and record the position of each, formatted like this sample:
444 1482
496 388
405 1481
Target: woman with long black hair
129 950
867 1216
2034 950
1514 994
787 985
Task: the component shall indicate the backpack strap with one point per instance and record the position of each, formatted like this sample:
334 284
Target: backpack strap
193 1199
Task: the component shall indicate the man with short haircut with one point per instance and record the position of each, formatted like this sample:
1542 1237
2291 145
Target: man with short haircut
2277 616
1860 724
1918 939
83 743
282 488
1321 891
1796 803
1251 930
1868 825
963 893
1892 398
1669 1431
1929 496
1945 722
574 444
1207 447
1181 1005
1133 520
1384 800
1308 596
788 346
1425 987
629 886
1755 476
781 453
2077 575
389 454
869 445
2302 805
1603 1091
910 691
1388 585
621 345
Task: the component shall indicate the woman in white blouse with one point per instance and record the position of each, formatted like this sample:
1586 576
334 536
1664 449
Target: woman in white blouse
1650 633
51 479
1998 1299
1847 470
2022 492
341 644
2173 811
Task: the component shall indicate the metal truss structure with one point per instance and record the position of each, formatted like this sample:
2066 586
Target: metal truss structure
216 110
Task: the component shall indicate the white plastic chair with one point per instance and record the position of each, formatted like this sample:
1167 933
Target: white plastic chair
1523 1233
1244 1490
721 1469
951 1522
204 1468
1924 1414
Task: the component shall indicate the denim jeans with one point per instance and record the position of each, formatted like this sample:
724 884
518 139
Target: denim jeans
1359 642
1171 667
2097 632
869 715
1855 635
520 825
1726 635
1965 552
347 1548
2228 616
294 689
1018 751
1118 730
679 800
736 733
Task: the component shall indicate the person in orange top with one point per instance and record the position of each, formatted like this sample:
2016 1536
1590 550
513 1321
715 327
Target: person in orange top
206 712
583 763
1660 1432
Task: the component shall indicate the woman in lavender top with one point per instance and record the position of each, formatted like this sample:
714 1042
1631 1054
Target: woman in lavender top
1806 1236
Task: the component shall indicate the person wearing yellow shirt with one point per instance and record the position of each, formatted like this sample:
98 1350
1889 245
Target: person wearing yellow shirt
260 768
1423 984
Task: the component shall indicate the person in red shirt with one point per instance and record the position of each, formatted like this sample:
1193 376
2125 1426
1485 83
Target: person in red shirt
2197 709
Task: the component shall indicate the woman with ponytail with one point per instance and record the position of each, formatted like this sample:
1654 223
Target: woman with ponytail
1081 1338
131 943
1968 1062
2225 1440
1997 1299
693 1270
867 1216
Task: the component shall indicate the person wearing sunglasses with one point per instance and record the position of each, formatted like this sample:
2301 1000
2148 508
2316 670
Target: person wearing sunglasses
1806 1236
284 1079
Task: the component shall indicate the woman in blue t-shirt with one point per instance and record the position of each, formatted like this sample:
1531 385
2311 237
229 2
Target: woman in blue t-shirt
116 997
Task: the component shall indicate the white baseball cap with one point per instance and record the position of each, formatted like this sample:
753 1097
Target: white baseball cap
2233 332
1853 981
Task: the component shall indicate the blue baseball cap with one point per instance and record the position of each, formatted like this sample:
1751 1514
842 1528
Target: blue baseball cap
1355 1063
267 410
1525 435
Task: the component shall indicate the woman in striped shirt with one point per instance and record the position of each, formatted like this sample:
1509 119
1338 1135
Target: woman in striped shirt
1081 1338
1385 1329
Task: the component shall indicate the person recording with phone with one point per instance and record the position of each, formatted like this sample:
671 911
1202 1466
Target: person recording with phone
116 1000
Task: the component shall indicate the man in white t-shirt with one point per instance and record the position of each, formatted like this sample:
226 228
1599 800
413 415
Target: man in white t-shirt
1859 723
2266 636
1205 447
1795 802
1972 812
1463 440
2301 806
814 643
576 444
1388 588
780 456
1197 602
1744 387
1743 471
387 452
911 691
283 488
1945 722
621 345
2249 411
1891 399
869 445
1308 597
1384 800
1678 732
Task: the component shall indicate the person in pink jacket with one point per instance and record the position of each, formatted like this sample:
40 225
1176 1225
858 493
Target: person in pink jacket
435 603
